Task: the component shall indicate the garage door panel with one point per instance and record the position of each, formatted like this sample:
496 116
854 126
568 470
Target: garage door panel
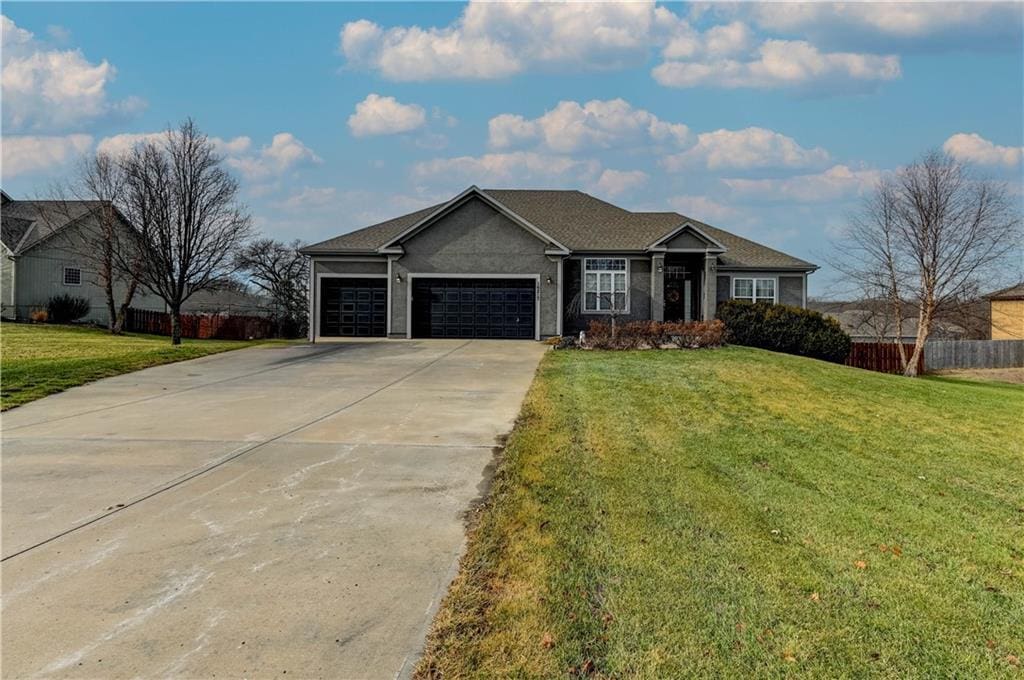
474 308
353 307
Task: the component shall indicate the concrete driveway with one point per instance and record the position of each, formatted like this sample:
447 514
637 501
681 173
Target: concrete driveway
281 511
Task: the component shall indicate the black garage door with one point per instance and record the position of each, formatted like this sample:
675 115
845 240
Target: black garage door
473 308
353 307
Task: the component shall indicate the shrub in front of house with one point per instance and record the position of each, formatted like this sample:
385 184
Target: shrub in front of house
781 328
653 335
66 308
695 334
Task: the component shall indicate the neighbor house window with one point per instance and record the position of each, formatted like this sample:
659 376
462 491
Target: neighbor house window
604 284
72 276
754 290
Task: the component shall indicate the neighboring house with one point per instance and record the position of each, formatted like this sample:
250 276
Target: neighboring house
1007 307
42 256
501 263
227 302
871 321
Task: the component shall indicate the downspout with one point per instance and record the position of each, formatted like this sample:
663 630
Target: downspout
312 298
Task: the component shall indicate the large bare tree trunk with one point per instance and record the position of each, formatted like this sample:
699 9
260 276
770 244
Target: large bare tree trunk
108 295
122 312
175 325
924 325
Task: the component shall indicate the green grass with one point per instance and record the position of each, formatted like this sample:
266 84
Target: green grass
38 360
739 513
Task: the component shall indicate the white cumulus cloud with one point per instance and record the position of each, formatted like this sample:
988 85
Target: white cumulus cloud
782 63
837 183
284 152
377 115
893 19
597 124
117 145
52 90
745 149
497 39
618 182
973 148
23 154
703 208
515 169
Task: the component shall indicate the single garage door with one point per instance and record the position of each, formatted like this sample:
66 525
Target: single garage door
353 307
474 308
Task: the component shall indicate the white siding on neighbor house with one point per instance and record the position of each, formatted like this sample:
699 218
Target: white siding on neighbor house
40 276
6 283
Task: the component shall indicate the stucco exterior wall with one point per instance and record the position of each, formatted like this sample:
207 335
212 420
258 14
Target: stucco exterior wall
1007 319
640 299
355 265
789 287
475 239
791 290
687 239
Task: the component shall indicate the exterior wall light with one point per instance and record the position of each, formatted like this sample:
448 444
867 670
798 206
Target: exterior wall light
548 280
398 278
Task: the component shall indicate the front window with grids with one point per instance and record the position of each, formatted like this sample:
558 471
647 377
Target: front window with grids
604 284
754 290
72 276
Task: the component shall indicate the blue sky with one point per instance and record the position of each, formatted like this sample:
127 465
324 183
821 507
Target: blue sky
769 120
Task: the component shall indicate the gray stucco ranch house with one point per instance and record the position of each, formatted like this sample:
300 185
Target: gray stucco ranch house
508 263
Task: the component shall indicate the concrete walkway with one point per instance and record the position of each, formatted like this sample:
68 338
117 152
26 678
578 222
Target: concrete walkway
283 511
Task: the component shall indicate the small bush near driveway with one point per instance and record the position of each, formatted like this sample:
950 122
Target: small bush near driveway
781 328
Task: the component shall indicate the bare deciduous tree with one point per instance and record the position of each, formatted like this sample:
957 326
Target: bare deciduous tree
102 238
188 221
926 238
280 271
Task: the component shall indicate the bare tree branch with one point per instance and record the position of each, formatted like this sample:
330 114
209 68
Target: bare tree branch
280 271
189 224
930 238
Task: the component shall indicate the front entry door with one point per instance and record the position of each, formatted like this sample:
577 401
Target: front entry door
679 298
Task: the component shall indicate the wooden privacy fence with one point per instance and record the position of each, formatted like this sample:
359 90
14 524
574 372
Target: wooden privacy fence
940 354
200 326
883 357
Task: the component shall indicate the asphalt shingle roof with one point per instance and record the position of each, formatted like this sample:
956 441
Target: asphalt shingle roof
29 222
581 223
1012 293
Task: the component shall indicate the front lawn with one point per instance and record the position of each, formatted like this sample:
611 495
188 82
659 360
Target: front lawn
737 513
37 360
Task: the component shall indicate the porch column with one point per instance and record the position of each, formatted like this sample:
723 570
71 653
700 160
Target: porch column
709 306
658 287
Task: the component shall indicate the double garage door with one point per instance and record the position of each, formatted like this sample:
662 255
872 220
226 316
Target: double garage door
473 308
441 308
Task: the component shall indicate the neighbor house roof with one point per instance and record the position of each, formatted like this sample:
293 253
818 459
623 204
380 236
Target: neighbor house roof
581 223
26 223
1012 293
865 323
